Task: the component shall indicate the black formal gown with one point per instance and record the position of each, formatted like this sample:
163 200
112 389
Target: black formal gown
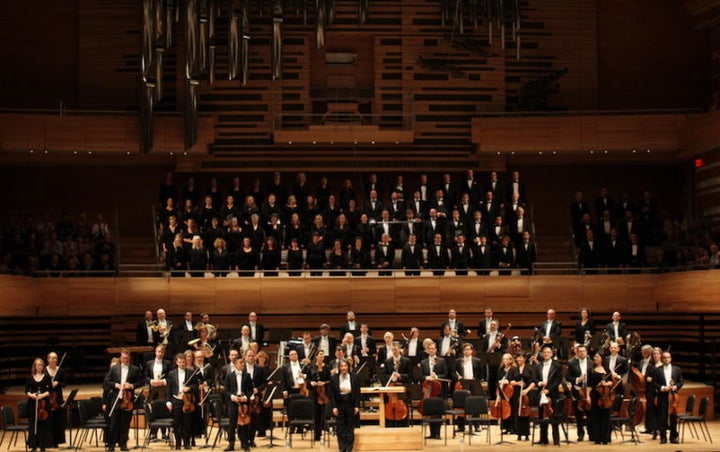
599 425
41 437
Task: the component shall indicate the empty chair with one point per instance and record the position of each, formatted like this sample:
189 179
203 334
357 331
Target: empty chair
458 408
433 413
476 413
689 418
218 413
90 423
301 414
11 425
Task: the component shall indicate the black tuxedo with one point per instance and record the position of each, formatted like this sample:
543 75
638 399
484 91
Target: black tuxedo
418 228
454 229
602 204
259 331
383 354
373 212
384 254
397 210
460 259
590 254
119 420
369 343
287 377
554 378
300 349
419 208
467 211
259 381
497 232
484 327
141 334
182 422
459 326
620 367
526 255
476 229
331 345
157 336
490 210
404 369
622 330
509 191
380 228
430 231
504 257
231 388
483 258
574 372
471 187
437 261
412 258
577 210
555 329
345 328
615 253
666 421
477 367
149 375
346 404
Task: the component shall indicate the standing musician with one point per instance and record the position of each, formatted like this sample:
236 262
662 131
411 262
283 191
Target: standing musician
228 368
306 350
550 328
599 377
187 323
145 335
646 366
257 330
238 391
57 415
181 393
412 346
351 325
261 360
335 362
293 375
522 378
203 342
668 380
656 363
350 349
162 328
506 367
484 325
577 373
258 375
242 343
434 368
204 379
493 343
616 330
385 351
120 384
366 343
399 369
318 379
156 372
584 328
469 372
456 327
549 376
37 389
324 341
616 364
345 396
447 344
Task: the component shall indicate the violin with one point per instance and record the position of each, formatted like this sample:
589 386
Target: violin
243 414
605 399
42 411
584 403
524 410
55 395
188 402
321 393
127 402
673 400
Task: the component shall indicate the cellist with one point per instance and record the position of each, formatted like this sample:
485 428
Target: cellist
577 372
238 391
398 369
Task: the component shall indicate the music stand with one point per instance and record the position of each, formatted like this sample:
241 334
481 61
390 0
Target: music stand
139 401
68 415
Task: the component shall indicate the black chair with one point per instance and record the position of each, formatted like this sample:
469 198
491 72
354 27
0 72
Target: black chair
23 417
90 423
301 414
458 408
558 418
689 418
10 424
157 415
220 418
330 424
618 422
433 413
476 413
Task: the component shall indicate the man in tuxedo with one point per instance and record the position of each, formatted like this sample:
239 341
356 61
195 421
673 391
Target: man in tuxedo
412 226
476 227
366 343
466 208
482 256
423 188
144 334
460 256
498 230
373 185
121 377
306 350
373 206
617 329
579 368
258 375
228 368
490 208
385 351
515 187
412 259
156 373
441 204
187 323
350 325
181 381
437 256
434 225
470 186
396 207
614 252
551 327
519 225
238 390
604 202
384 256
484 326
616 364
418 205
549 377
493 345
590 253
163 329
384 226
292 375
351 351
257 330
526 253
433 368
398 373
578 208
493 186
449 194
667 381
324 341
454 324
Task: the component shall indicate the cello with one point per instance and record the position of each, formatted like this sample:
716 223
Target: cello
502 408
430 388
395 409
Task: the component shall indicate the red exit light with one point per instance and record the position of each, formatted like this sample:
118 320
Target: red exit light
699 163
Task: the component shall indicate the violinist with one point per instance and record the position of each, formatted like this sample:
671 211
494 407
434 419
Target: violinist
398 374
181 394
319 376
600 385
493 343
350 349
345 398
120 383
522 379
293 375
548 378
616 364
434 368
57 416
412 347
646 365
204 379
306 350
578 368
156 371
616 330
385 351
651 392
238 391
667 381
258 375
367 347
469 369
37 388
447 344
262 360
506 366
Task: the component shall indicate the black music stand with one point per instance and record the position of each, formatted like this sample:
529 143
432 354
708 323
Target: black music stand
67 405
271 396
137 403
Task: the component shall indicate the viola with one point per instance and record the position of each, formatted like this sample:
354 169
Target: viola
54 405
673 400
524 410
55 394
188 402
127 402
243 414
321 393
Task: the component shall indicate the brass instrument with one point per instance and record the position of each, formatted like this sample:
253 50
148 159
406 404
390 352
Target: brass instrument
211 329
163 330
207 350
587 338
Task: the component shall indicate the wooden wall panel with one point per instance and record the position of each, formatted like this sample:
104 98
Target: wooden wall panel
672 292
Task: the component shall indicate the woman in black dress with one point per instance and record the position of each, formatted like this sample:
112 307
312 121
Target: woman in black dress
522 378
220 257
318 379
271 257
37 387
295 259
57 380
599 381
338 259
247 259
584 326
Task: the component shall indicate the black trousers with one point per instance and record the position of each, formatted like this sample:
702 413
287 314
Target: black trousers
346 425
182 423
666 421
243 431
119 427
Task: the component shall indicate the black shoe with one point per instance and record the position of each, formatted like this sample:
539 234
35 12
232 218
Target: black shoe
430 437
177 447
252 444
663 441
654 437
124 448
261 435
541 442
110 449
229 448
188 447
675 441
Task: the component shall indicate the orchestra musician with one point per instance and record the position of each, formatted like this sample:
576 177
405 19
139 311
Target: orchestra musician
434 368
181 384
469 371
616 364
205 378
549 376
187 324
335 362
350 349
121 378
306 350
616 330
484 325
645 365
258 375
585 327
385 351
494 343
366 344
37 389
551 328
57 416
399 370
667 381
350 326
522 377
506 366
599 421
293 375
262 360
156 372
242 343
578 368
319 377
456 326
412 346
238 391
257 330
228 368
162 328
447 344
145 334
324 341
203 342
345 396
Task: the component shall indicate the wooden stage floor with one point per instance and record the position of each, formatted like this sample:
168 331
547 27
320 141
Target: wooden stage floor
479 441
